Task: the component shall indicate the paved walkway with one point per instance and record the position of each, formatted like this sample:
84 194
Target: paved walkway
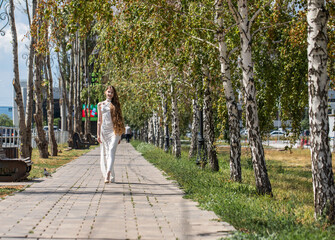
76 204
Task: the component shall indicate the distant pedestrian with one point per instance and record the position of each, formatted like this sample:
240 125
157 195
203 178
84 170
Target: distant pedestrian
128 133
110 129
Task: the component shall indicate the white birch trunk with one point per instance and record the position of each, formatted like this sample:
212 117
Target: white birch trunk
234 128
86 80
209 123
194 130
257 152
161 136
176 144
165 123
150 131
78 104
40 140
318 82
156 127
26 149
52 139
76 85
70 121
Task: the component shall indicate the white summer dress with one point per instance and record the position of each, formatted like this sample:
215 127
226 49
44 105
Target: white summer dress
109 142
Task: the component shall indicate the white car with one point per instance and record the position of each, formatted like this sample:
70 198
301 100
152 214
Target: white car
244 132
46 128
277 133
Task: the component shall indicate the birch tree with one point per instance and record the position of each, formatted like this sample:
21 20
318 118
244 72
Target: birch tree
233 118
50 108
244 23
25 117
318 82
208 121
194 128
40 139
26 148
176 145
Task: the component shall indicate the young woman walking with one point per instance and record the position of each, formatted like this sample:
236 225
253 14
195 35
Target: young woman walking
110 128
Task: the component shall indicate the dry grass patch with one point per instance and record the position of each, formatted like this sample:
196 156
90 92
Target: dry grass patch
7 190
53 162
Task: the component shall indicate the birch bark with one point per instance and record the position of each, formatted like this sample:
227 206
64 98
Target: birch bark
52 139
165 123
161 135
16 84
194 130
209 123
76 85
234 128
241 16
151 130
78 103
176 144
40 140
86 80
70 114
63 80
156 129
318 82
26 148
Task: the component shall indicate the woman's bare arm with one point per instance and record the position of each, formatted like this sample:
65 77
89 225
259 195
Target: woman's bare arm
99 122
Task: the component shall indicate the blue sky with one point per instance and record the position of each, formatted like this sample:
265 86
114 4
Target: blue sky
6 56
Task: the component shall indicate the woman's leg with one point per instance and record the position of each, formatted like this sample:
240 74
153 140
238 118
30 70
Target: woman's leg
104 152
112 152
107 159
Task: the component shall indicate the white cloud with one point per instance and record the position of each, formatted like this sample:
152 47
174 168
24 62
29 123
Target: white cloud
6 57
6 41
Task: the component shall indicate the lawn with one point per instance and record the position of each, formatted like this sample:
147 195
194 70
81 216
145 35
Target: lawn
286 215
51 164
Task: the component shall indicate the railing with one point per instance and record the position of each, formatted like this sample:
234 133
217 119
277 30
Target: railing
10 137
61 137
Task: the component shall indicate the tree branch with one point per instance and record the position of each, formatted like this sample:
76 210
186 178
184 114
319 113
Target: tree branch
233 11
28 14
202 40
205 29
253 18
266 27
232 51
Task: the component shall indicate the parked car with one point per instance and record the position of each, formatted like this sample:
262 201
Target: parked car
46 128
277 133
244 132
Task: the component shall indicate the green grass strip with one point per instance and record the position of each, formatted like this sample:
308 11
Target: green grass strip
255 217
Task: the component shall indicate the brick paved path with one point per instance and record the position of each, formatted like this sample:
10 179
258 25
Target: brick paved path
76 204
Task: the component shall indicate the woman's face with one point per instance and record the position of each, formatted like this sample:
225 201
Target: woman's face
109 93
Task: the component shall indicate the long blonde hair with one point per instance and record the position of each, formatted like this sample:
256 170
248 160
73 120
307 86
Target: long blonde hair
116 112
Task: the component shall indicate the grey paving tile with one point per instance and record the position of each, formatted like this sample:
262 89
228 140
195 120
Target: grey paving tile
75 203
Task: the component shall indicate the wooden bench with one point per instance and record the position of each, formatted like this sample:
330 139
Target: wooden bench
92 140
78 143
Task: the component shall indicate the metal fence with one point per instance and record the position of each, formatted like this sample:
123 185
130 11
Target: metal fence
10 137
61 137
